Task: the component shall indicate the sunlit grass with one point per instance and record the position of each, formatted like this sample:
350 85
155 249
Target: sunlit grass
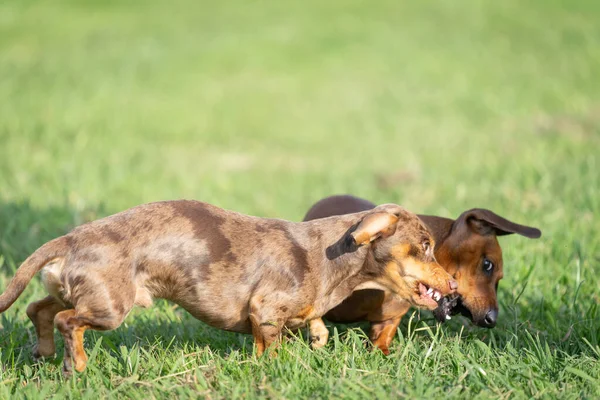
265 107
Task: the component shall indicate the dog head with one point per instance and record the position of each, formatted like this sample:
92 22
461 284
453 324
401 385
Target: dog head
470 252
400 255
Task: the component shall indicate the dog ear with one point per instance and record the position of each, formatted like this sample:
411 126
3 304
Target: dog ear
373 226
381 222
485 222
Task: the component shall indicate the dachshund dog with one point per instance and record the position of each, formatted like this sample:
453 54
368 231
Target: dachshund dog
232 271
466 247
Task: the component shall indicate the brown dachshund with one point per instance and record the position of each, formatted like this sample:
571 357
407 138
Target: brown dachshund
466 247
232 271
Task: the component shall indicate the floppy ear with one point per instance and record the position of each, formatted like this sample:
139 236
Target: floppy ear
374 226
485 222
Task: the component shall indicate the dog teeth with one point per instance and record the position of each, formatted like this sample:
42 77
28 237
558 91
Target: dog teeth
437 296
429 291
448 318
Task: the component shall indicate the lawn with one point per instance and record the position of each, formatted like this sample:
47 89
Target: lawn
264 107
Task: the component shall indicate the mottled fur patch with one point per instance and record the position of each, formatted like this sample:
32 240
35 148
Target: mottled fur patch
207 226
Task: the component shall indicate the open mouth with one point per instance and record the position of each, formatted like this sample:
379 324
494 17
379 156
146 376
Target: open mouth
447 306
460 308
429 295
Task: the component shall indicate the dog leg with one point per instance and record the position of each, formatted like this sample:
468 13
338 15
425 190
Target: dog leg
72 324
258 339
266 325
42 314
318 333
266 334
383 332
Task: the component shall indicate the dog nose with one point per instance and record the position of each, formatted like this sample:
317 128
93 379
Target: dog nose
453 284
490 318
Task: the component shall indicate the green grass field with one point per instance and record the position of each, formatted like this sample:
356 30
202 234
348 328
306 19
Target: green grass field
264 107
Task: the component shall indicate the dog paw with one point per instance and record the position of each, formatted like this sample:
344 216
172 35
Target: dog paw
35 353
384 349
39 352
67 369
67 372
38 355
316 342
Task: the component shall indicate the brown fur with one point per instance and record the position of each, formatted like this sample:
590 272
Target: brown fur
233 271
461 246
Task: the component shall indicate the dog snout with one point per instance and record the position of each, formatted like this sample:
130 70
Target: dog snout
446 283
489 321
453 284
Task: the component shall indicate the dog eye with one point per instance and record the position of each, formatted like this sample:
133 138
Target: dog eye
426 245
488 266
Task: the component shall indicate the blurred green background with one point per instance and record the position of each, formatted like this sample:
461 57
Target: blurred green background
264 107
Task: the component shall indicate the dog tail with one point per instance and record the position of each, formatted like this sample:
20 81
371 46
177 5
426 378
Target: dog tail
35 262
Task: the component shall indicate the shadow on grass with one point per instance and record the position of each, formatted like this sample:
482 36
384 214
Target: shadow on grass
167 325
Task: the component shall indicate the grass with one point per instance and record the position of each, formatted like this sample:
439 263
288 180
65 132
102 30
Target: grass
264 107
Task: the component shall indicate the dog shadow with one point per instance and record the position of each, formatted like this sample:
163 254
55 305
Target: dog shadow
166 325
